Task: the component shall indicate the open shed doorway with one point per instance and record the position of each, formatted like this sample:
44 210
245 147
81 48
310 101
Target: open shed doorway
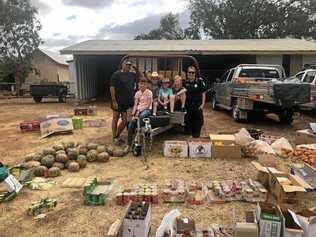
214 66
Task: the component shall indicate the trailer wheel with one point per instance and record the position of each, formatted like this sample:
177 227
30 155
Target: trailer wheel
286 116
62 99
235 113
214 103
37 99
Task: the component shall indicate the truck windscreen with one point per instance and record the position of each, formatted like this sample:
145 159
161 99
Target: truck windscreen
259 73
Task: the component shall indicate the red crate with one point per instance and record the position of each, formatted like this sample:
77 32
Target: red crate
30 126
81 111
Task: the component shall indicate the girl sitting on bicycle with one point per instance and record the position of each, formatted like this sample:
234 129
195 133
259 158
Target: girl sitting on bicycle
143 100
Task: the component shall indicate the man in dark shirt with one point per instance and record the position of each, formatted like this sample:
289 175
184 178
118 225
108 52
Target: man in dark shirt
195 101
122 88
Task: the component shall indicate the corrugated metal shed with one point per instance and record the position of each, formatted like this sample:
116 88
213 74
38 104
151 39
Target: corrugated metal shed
247 46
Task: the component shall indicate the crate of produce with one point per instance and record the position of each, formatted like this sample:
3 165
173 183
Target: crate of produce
30 126
95 193
174 191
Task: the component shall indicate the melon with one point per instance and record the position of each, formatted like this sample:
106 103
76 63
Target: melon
41 171
83 150
82 161
73 166
29 157
60 152
68 144
72 153
49 151
62 157
103 157
67 163
101 148
58 147
109 150
59 165
48 161
54 172
31 164
92 155
92 146
38 157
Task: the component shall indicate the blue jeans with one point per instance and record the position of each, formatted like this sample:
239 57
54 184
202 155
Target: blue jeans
133 124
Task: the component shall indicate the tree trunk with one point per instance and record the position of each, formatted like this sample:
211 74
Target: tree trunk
18 83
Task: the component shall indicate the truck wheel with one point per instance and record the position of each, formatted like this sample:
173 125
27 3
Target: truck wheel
37 99
286 116
214 103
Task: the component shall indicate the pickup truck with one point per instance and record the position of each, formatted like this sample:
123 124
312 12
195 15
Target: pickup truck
253 90
39 91
307 76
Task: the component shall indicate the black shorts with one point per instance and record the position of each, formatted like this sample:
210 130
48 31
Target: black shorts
121 108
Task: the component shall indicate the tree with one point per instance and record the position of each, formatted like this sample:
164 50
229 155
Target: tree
241 19
19 36
169 29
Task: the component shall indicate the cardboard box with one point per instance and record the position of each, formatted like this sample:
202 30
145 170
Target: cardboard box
175 149
287 188
224 146
269 219
246 230
200 148
291 225
305 136
307 173
307 220
263 173
184 227
56 125
137 227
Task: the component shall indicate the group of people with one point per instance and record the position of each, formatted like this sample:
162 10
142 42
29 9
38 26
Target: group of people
144 95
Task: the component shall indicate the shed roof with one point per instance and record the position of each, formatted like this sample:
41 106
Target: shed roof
60 59
243 46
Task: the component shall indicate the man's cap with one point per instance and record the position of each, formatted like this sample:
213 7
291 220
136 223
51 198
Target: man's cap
155 74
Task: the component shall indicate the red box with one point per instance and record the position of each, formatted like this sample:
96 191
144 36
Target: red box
30 126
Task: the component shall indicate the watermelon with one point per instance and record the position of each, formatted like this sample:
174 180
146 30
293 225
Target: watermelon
54 172
31 164
92 155
68 144
73 166
82 161
38 157
83 150
59 165
101 148
103 157
72 153
29 157
41 171
92 146
58 147
49 151
62 158
48 161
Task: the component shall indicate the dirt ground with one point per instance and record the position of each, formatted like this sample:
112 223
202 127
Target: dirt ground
72 218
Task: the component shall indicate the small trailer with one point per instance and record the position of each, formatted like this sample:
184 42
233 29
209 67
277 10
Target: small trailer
39 91
169 66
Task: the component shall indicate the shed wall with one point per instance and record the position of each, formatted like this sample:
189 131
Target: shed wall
270 59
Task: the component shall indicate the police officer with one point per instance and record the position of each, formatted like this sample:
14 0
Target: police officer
195 101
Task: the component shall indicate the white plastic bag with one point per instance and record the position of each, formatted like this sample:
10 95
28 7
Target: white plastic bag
243 137
258 147
281 145
166 225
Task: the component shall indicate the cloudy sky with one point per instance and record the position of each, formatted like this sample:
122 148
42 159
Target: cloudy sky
65 22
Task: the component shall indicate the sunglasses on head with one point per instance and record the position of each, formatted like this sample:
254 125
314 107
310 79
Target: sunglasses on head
191 72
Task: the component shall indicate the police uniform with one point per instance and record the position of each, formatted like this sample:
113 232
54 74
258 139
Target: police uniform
194 117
